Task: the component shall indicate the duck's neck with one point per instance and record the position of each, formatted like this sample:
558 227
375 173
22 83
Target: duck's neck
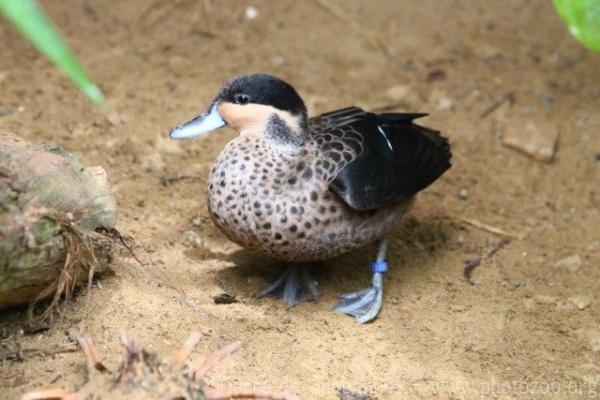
287 131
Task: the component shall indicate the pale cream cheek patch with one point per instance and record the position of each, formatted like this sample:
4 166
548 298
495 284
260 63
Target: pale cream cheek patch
253 118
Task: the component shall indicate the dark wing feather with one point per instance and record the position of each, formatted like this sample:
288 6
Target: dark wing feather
397 158
335 119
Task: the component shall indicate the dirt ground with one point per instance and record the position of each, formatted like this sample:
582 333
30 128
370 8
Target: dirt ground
517 332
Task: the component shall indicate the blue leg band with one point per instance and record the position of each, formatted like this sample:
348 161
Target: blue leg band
379 266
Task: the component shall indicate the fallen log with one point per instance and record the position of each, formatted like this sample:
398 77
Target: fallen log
54 218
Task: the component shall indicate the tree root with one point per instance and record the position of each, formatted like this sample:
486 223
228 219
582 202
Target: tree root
142 376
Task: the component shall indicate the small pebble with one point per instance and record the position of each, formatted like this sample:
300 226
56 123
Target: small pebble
507 318
534 139
543 299
152 162
251 13
444 103
531 221
554 57
592 336
198 221
225 298
463 194
437 74
562 329
5 112
580 301
277 59
194 239
347 394
397 92
571 263
440 100
545 98
529 303
115 118
565 305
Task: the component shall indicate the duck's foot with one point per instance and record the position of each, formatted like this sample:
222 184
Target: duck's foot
365 304
294 286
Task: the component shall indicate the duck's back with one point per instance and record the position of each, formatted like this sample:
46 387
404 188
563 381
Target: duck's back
379 158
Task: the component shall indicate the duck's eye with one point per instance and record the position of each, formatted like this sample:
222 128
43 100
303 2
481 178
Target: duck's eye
241 98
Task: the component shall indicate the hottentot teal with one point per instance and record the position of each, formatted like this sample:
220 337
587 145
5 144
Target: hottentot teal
303 189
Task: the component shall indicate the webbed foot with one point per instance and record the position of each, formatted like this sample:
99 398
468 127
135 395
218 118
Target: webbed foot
294 286
363 305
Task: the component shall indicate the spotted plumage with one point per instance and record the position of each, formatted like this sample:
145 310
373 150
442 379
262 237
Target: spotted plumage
280 204
300 189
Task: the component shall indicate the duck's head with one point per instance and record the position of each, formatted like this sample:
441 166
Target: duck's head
255 104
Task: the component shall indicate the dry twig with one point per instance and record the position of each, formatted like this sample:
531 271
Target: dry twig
509 96
185 352
471 264
93 358
491 229
249 393
80 255
20 353
168 180
46 394
371 38
215 359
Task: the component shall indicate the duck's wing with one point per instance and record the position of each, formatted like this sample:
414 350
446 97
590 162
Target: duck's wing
375 159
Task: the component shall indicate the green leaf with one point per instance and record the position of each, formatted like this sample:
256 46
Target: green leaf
30 19
583 20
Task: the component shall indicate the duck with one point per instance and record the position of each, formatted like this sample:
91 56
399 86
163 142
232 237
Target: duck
306 189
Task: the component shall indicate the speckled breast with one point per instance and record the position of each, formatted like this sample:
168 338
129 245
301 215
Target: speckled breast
279 204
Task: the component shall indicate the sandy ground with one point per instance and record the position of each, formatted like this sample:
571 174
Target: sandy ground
516 333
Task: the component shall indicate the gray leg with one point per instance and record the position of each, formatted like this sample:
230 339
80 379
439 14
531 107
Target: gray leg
294 286
365 304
